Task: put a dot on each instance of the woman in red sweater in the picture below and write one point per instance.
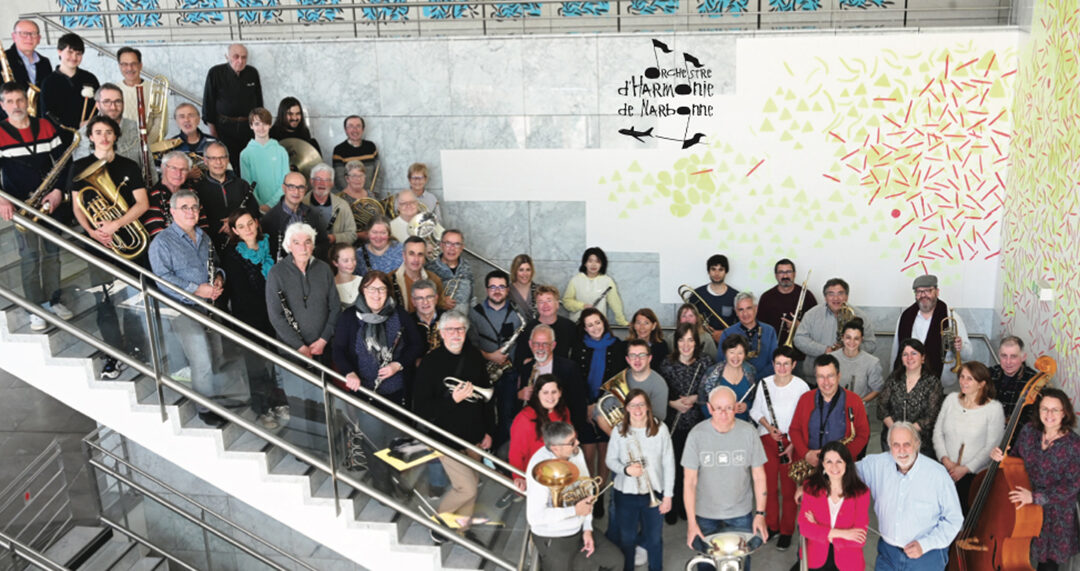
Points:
(835, 512)
(546, 405)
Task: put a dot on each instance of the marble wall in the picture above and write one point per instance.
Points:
(423, 96)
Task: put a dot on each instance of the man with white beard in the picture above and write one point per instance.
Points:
(915, 501)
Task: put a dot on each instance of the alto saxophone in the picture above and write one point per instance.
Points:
(801, 469)
(46, 186)
(495, 370)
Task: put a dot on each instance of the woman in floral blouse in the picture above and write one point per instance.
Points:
(911, 393)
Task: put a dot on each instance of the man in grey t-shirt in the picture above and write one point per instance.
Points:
(724, 480)
(640, 375)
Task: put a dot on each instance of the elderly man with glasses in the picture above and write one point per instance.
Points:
(290, 210)
(333, 213)
(454, 270)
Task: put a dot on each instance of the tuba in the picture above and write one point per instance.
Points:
(561, 478)
(949, 332)
(687, 293)
(101, 202)
(611, 404)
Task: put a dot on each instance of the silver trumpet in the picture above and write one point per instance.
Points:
(643, 481)
(479, 394)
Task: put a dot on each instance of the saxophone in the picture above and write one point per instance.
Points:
(46, 186)
(801, 469)
(495, 370)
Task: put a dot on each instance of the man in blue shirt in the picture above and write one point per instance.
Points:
(181, 255)
(915, 501)
(761, 336)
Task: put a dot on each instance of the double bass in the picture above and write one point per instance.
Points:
(997, 536)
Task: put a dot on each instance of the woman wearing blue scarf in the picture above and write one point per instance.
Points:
(601, 355)
(246, 260)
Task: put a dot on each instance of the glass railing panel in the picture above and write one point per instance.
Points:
(430, 485)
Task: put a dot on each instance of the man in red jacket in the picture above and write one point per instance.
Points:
(828, 413)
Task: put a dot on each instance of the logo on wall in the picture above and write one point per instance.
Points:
(673, 91)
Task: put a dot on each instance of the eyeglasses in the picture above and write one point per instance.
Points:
(356, 175)
(217, 158)
(540, 343)
(110, 102)
(456, 330)
(418, 177)
(497, 287)
(295, 187)
(321, 179)
(785, 272)
(636, 356)
(636, 405)
(28, 34)
(187, 208)
(417, 298)
(446, 244)
(573, 443)
(1053, 411)
(372, 289)
(725, 409)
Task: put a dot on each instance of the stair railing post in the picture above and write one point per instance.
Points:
(328, 410)
(152, 335)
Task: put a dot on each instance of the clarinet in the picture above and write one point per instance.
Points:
(211, 270)
(386, 359)
(243, 202)
(289, 317)
(602, 296)
(330, 224)
(280, 246)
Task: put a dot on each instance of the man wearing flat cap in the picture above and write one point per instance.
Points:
(922, 320)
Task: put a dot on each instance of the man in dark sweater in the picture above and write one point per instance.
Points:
(354, 148)
(290, 209)
(1011, 375)
(67, 94)
(458, 409)
(28, 67)
(232, 90)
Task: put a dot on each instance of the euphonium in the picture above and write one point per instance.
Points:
(611, 404)
(686, 293)
(561, 478)
(949, 332)
(479, 393)
(101, 202)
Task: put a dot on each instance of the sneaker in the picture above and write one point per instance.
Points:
(281, 413)
(773, 533)
(267, 421)
(671, 518)
(783, 543)
(110, 370)
(641, 557)
(211, 419)
(37, 323)
(60, 310)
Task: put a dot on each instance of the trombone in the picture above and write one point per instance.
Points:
(686, 292)
(788, 342)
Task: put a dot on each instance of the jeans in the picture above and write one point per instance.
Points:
(710, 526)
(507, 406)
(39, 265)
(892, 558)
(564, 553)
(634, 511)
(202, 351)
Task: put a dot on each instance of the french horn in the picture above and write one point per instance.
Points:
(561, 477)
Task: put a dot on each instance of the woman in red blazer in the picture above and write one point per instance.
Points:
(834, 542)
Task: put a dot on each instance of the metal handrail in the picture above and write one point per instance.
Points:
(176, 510)
(142, 540)
(242, 422)
(93, 441)
(230, 333)
(28, 553)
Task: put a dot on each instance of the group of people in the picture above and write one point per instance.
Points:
(705, 425)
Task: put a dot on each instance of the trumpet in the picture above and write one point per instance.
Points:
(687, 293)
(798, 311)
(479, 394)
(949, 331)
(643, 480)
(567, 489)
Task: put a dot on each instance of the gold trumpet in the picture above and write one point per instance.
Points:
(479, 394)
(686, 293)
(561, 477)
(101, 202)
(612, 403)
(949, 331)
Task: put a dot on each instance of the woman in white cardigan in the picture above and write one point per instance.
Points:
(971, 423)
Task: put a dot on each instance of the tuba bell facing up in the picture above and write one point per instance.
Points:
(101, 202)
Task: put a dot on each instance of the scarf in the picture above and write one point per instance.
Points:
(599, 358)
(259, 258)
(375, 329)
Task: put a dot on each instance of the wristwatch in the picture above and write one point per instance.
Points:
(759, 512)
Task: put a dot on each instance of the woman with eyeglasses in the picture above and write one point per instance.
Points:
(1050, 449)
(356, 190)
(642, 458)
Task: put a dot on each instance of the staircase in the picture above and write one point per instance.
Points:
(242, 463)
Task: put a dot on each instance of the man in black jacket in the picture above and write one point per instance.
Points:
(445, 392)
(28, 67)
